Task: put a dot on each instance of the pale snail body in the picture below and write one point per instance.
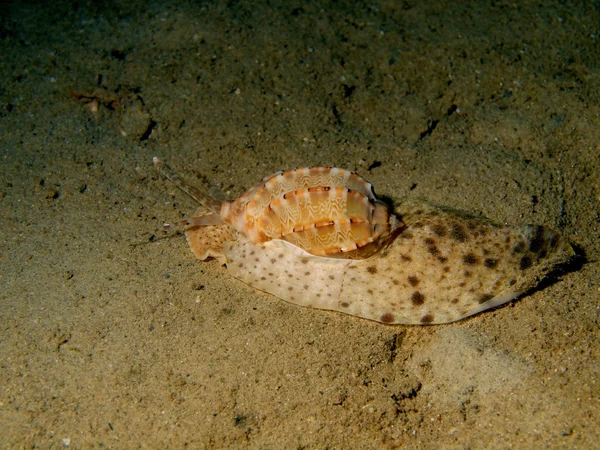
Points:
(421, 264)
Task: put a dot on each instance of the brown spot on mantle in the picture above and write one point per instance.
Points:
(387, 318)
(490, 263)
(525, 263)
(427, 318)
(470, 259)
(417, 298)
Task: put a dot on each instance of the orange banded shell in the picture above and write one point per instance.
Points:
(323, 210)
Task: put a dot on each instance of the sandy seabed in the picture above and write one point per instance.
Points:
(112, 340)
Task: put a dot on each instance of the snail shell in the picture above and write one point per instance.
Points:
(323, 210)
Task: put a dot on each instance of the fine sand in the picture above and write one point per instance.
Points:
(110, 339)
